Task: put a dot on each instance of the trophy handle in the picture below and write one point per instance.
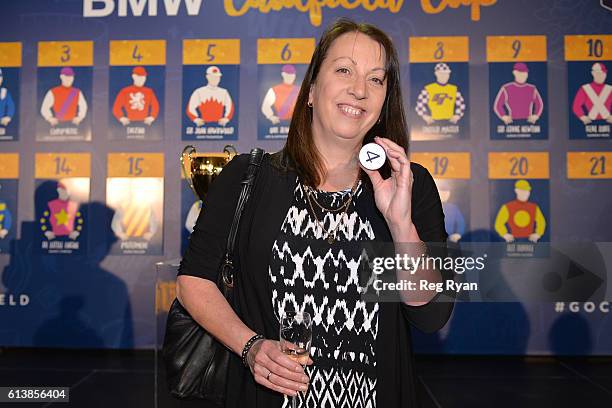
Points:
(188, 150)
(231, 151)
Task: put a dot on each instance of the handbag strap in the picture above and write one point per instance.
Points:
(255, 160)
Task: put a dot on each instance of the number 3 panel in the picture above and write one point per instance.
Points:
(136, 89)
(439, 88)
(520, 200)
(282, 63)
(135, 191)
(211, 79)
(589, 57)
(518, 87)
(65, 77)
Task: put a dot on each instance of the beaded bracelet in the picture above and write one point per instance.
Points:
(247, 347)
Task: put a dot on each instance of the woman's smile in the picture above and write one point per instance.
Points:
(351, 111)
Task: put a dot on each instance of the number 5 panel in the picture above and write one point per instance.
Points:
(211, 79)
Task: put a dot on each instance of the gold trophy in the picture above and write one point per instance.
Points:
(200, 169)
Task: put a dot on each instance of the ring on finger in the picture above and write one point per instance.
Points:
(268, 376)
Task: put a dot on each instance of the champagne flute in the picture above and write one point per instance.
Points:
(295, 338)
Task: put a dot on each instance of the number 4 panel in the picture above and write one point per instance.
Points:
(451, 171)
(518, 87)
(136, 89)
(519, 200)
(135, 191)
(439, 86)
(589, 57)
(211, 79)
(281, 65)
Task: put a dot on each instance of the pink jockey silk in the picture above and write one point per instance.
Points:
(70, 208)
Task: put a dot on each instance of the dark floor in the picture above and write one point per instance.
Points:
(116, 379)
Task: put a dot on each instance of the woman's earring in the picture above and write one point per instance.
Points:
(310, 104)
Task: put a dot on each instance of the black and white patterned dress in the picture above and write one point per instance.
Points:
(309, 274)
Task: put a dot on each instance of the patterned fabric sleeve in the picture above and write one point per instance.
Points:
(422, 101)
(459, 105)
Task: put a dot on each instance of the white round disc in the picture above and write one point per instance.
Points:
(372, 156)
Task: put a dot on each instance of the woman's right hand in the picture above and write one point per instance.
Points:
(275, 370)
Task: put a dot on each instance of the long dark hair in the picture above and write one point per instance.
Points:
(300, 153)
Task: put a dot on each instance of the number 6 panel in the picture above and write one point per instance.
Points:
(282, 63)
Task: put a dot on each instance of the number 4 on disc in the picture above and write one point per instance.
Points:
(372, 156)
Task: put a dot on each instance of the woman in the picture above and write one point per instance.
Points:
(311, 210)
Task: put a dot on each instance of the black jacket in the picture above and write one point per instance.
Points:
(271, 198)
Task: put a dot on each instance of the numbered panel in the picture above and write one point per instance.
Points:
(589, 57)
(518, 87)
(520, 201)
(9, 182)
(135, 191)
(439, 82)
(517, 165)
(61, 202)
(64, 88)
(136, 89)
(10, 73)
(451, 171)
(589, 165)
(211, 79)
(442, 165)
(282, 63)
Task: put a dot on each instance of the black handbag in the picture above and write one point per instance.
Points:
(196, 363)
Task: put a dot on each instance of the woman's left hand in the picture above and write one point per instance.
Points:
(393, 196)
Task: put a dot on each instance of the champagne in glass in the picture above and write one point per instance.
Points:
(296, 337)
